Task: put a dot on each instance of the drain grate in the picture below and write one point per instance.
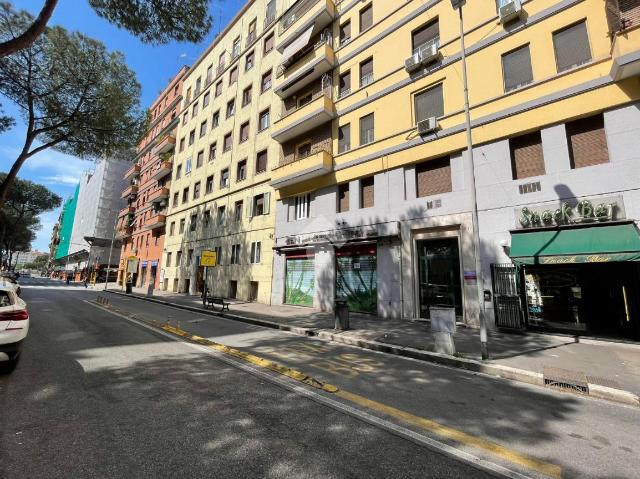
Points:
(565, 379)
(606, 382)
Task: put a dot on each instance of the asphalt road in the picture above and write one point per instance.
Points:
(98, 396)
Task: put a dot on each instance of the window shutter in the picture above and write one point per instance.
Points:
(433, 177)
(261, 163)
(367, 192)
(343, 197)
(267, 203)
(345, 31)
(366, 68)
(250, 207)
(526, 156)
(271, 9)
(344, 138)
(345, 82)
(516, 68)
(572, 46)
(587, 142)
(424, 34)
(366, 129)
(429, 103)
(366, 18)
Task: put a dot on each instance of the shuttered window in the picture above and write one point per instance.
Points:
(268, 43)
(516, 68)
(571, 46)
(433, 177)
(366, 72)
(366, 18)
(345, 33)
(261, 161)
(344, 138)
(526, 156)
(587, 142)
(429, 103)
(425, 34)
(366, 129)
(233, 76)
(343, 197)
(366, 192)
(345, 84)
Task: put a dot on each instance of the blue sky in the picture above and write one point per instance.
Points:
(154, 67)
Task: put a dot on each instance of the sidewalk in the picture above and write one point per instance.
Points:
(608, 364)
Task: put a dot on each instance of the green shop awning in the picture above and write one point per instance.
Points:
(593, 244)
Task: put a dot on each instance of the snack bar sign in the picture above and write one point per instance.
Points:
(571, 212)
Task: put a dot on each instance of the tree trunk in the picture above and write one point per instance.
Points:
(31, 34)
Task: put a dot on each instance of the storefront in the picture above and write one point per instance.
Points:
(299, 278)
(356, 277)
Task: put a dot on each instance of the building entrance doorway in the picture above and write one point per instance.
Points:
(439, 282)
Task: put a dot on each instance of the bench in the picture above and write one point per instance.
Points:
(213, 300)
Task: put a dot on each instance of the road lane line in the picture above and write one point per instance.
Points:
(506, 454)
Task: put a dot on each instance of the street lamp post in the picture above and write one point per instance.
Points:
(113, 237)
(457, 4)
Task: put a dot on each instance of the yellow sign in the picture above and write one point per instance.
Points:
(208, 258)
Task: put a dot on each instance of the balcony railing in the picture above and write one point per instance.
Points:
(326, 91)
(295, 13)
(133, 171)
(156, 221)
(366, 80)
(129, 210)
(165, 144)
(163, 170)
(269, 20)
(622, 15)
(304, 55)
(251, 38)
(316, 163)
(159, 195)
(130, 190)
(220, 69)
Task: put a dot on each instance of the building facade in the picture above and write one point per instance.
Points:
(221, 199)
(373, 186)
(26, 257)
(63, 239)
(141, 223)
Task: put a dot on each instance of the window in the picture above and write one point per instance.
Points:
(209, 185)
(303, 150)
(172, 228)
(366, 18)
(571, 46)
(271, 13)
(305, 99)
(224, 178)
(429, 103)
(526, 156)
(246, 96)
(215, 120)
(302, 204)
(209, 74)
(196, 190)
(587, 142)
(238, 210)
(198, 85)
(235, 254)
(188, 97)
(265, 84)
(168, 261)
(366, 72)
(189, 256)
(252, 31)
(345, 33)
(200, 159)
(264, 120)
(193, 224)
(192, 137)
(366, 129)
(181, 144)
(185, 195)
(176, 198)
(235, 53)
(222, 210)
(343, 197)
(233, 76)
(194, 110)
(367, 192)
(244, 132)
(269, 42)
(226, 143)
(425, 35)
(344, 138)
(231, 108)
(256, 250)
(205, 100)
(344, 86)
(203, 128)
(182, 222)
(218, 89)
(516, 68)
(185, 118)
(241, 170)
(249, 61)
(260, 205)
(218, 250)
(261, 161)
(206, 218)
(179, 255)
(220, 61)
(433, 177)
(187, 169)
(212, 151)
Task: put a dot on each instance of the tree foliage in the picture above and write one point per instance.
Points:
(73, 94)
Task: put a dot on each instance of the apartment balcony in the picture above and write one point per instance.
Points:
(158, 195)
(304, 14)
(132, 172)
(623, 17)
(129, 210)
(123, 232)
(316, 164)
(166, 144)
(129, 190)
(165, 169)
(157, 221)
(302, 119)
(318, 60)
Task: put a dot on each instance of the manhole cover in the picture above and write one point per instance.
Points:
(565, 379)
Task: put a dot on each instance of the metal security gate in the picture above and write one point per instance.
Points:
(506, 296)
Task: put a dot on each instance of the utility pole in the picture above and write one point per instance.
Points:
(457, 4)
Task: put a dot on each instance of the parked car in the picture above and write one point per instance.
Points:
(10, 281)
(14, 326)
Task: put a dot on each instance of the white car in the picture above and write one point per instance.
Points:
(11, 282)
(14, 326)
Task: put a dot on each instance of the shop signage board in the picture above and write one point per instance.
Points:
(132, 265)
(342, 235)
(208, 258)
(571, 212)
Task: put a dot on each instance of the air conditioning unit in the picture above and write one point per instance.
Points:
(427, 126)
(509, 10)
(430, 52)
(413, 63)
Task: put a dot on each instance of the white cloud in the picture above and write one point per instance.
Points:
(59, 180)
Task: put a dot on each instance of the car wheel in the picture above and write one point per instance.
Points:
(7, 367)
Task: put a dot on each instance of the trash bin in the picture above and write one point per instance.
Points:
(341, 310)
(129, 289)
(443, 327)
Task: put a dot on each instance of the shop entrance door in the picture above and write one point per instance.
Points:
(439, 281)
(506, 296)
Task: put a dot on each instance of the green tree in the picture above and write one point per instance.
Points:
(18, 236)
(153, 21)
(73, 95)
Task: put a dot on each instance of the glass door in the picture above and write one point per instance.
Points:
(439, 281)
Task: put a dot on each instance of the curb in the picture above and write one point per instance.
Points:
(496, 370)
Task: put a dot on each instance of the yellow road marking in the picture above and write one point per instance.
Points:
(502, 452)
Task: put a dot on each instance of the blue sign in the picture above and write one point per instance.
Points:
(144, 264)
(154, 262)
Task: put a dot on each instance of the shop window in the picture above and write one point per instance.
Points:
(526, 156)
(366, 18)
(356, 277)
(433, 177)
(302, 205)
(429, 103)
(256, 252)
(516, 68)
(367, 192)
(587, 142)
(343, 198)
(299, 279)
(571, 46)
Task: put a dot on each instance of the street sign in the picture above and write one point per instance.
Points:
(132, 265)
(208, 258)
